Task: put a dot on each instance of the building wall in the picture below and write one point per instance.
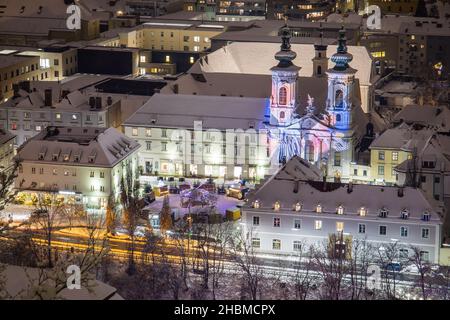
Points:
(395, 6)
(6, 154)
(308, 235)
(171, 156)
(27, 69)
(93, 184)
(26, 123)
(387, 174)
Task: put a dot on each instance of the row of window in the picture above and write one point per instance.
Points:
(362, 211)
(58, 116)
(55, 186)
(382, 229)
(66, 172)
(382, 156)
(297, 246)
(17, 72)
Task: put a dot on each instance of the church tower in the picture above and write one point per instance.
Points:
(341, 87)
(283, 101)
(320, 60)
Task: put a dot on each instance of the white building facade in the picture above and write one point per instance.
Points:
(81, 165)
(288, 212)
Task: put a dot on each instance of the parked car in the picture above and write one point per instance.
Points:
(393, 266)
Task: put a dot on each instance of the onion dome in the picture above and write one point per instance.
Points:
(285, 55)
(341, 58)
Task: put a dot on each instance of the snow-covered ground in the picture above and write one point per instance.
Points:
(223, 203)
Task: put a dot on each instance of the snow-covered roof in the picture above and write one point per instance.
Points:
(258, 58)
(436, 149)
(93, 147)
(289, 187)
(180, 111)
(434, 117)
(20, 279)
(402, 137)
(37, 17)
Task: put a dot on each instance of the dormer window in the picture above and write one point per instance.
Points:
(256, 204)
(41, 155)
(426, 216)
(91, 159)
(319, 208)
(340, 210)
(362, 212)
(404, 214)
(384, 213)
(277, 206)
(298, 206)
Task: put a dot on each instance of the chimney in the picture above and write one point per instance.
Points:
(350, 187)
(92, 102)
(98, 102)
(16, 90)
(296, 184)
(48, 98)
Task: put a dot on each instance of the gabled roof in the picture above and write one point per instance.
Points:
(180, 111)
(258, 58)
(433, 117)
(93, 147)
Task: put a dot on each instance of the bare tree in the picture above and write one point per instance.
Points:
(131, 208)
(423, 267)
(388, 257)
(358, 265)
(214, 240)
(248, 262)
(330, 262)
(50, 282)
(303, 279)
(48, 209)
(111, 216)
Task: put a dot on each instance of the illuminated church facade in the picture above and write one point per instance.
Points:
(326, 140)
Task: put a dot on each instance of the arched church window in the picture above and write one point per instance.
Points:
(309, 151)
(319, 69)
(282, 96)
(339, 98)
(338, 117)
(282, 115)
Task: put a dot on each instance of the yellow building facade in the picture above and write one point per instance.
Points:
(382, 164)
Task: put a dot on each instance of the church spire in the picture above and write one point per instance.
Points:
(341, 58)
(285, 55)
(283, 101)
